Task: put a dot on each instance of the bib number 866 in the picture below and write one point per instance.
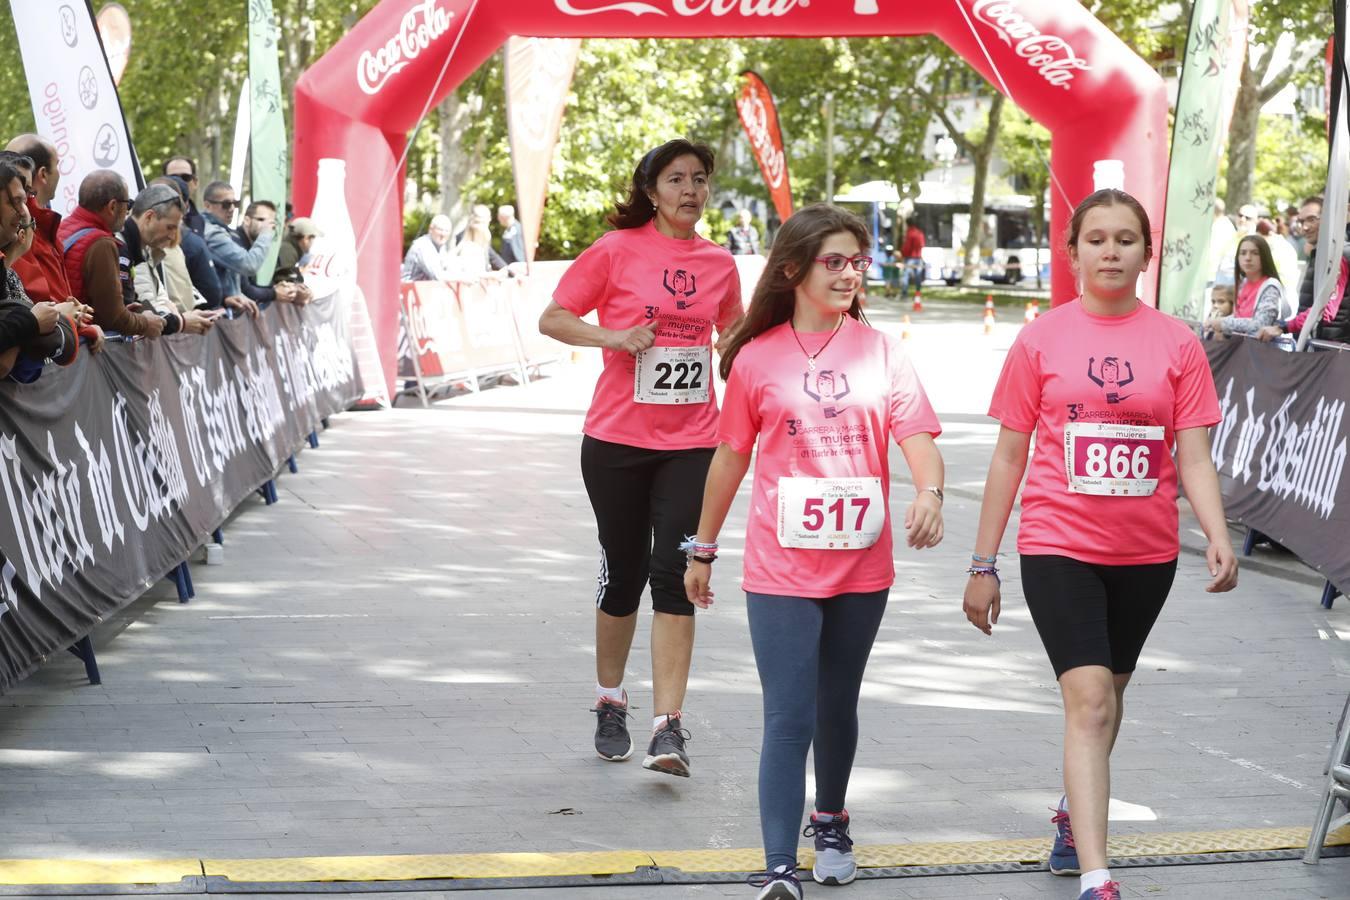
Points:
(1117, 461)
(688, 376)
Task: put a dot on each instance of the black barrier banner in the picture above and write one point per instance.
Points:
(1280, 448)
(114, 469)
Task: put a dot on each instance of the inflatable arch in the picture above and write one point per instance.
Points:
(1098, 99)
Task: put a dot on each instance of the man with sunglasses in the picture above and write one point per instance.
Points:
(151, 229)
(231, 260)
(92, 252)
(20, 322)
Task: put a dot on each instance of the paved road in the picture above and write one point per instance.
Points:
(396, 659)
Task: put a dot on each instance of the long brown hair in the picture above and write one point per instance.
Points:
(794, 248)
(638, 210)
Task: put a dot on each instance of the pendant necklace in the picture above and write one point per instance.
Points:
(811, 357)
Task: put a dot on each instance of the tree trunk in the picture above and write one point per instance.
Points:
(458, 161)
(1242, 139)
(984, 154)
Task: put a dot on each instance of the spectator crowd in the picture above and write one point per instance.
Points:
(122, 267)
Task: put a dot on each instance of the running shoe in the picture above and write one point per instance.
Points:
(780, 884)
(612, 740)
(666, 752)
(834, 849)
(1063, 855)
(1108, 891)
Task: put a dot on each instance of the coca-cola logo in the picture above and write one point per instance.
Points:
(690, 7)
(755, 117)
(421, 25)
(1050, 55)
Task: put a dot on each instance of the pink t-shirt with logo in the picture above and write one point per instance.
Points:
(1122, 386)
(678, 288)
(831, 422)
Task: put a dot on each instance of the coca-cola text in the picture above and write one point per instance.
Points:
(1050, 55)
(685, 7)
(421, 25)
(755, 117)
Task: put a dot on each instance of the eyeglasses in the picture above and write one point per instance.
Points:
(125, 201)
(835, 262)
(227, 204)
(24, 226)
(1309, 220)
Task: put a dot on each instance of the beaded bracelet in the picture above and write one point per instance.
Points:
(985, 570)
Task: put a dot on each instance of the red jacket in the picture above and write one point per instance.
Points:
(913, 244)
(42, 269)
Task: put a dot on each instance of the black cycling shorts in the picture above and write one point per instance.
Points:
(1094, 615)
(645, 502)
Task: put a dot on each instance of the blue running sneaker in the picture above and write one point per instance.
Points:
(1064, 855)
(779, 884)
(1108, 891)
(834, 848)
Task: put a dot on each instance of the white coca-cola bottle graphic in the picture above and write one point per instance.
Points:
(331, 272)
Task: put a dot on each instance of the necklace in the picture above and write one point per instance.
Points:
(811, 357)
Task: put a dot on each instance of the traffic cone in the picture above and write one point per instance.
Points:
(1028, 315)
(904, 329)
(918, 301)
(988, 313)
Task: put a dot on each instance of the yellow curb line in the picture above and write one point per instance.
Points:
(618, 862)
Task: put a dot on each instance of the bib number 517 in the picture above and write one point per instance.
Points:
(815, 512)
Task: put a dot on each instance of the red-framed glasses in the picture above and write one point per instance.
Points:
(835, 262)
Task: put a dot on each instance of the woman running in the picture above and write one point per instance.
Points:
(1098, 538)
(818, 562)
(652, 425)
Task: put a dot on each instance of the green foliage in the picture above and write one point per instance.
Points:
(1291, 161)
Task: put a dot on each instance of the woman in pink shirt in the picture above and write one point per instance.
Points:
(822, 394)
(1098, 538)
(658, 291)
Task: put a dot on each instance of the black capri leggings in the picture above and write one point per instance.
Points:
(1094, 615)
(645, 502)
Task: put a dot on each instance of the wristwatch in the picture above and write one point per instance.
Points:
(935, 490)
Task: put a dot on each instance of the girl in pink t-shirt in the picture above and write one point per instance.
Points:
(659, 291)
(1111, 388)
(822, 394)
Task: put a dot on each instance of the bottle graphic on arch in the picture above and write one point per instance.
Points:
(331, 273)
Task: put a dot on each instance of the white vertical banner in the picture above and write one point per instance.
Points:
(75, 102)
(1331, 234)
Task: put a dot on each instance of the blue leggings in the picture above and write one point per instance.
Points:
(811, 654)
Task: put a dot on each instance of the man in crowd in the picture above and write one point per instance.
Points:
(153, 227)
(426, 257)
(41, 269)
(261, 218)
(19, 322)
(911, 251)
(300, 236)
(743, 239)
(232, 261)
(91, 254)
(1334, 326)
(513, 236)
(187, 265)
(184, 168)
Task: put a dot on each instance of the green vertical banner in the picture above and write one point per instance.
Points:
(267, 139)
(1197, 141)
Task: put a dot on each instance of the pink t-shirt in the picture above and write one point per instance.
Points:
(833, 422)
(680, 289)
(1123, 386)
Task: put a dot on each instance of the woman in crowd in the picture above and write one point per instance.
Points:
(659, 291)
(823, 394)
(1098, 537)
(473, 256)
(1259, 293)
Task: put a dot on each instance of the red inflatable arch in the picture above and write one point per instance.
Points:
(1096, 96)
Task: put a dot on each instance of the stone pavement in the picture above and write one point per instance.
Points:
(396, 658)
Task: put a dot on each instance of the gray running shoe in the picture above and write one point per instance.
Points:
(612, 740)
(780, 884)
(666, 752)
(834, 849)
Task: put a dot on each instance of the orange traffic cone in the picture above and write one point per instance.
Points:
(904, 329)
(988, 313)
(918, 301)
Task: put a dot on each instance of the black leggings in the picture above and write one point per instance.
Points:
(1094, 615)
(645, 502)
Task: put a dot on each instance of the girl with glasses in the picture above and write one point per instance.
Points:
(822, 394)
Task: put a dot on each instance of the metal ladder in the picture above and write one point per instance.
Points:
(1338, 789)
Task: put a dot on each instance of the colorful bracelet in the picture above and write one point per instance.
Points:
(987, 560)
(985, 570)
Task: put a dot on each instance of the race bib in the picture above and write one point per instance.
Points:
(830, 513)
(670, 375)
(1120, 460)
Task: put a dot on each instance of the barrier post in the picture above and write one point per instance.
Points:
(1338, 788)
(83, 649)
